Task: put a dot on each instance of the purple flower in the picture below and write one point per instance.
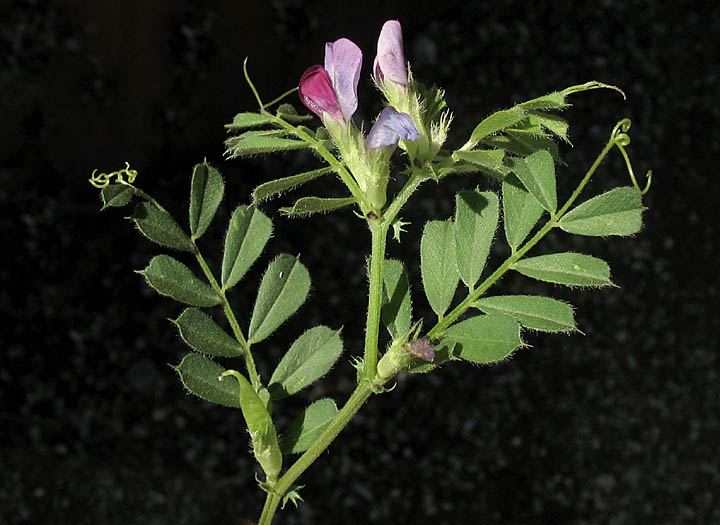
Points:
(332, 89)
(389, 128)
(390, 60)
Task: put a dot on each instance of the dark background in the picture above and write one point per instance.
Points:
(617, 426)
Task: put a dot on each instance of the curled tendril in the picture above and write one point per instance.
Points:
(621, 139)
(101, 180)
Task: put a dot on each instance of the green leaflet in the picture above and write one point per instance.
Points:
(616, 212)
(521, 211)
(485, 338)
(201, 376)
(310, 357)
(476, 219)
(572, 269)
(158, 226)
(116, 195)
(308, 426)
(534, 312)
(438, 264)
(248, 120)
(248, 233)
(496, 122)
(203, 334)
(533, 142)
(275, 187)
(509, 144)
(555, 100)
(396, 311)
(170, 277)
(537, 173)
(255, 142)
(490, 161)
(309, 205)
(206, 192)
(553, 123)
(283, 290)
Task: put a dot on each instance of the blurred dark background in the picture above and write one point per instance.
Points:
(617, 426)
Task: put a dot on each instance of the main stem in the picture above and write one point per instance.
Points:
(378, 230)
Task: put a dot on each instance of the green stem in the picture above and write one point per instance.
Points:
(230, 315)
(356, 400)
(417, 176)
(437, 330)
(270, 508)
(378, 230)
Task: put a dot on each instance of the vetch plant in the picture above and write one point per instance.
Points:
(513, 153)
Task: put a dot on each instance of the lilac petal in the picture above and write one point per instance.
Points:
(389, 128)
(317, 93)
(343, 61)
(390, 59)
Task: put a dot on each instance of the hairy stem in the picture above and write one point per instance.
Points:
(378, 230)
(356, 400)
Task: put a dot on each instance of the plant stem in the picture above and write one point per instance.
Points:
(417, 176)
(437, 330)
(378, 230)
(230, 315)
(357, 399)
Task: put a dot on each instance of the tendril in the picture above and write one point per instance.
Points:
(101, 180)
(621, 139)
(252, 86)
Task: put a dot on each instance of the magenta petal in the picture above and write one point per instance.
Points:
(389, 128)
(343, 61)
(317, 93)
(390, 60)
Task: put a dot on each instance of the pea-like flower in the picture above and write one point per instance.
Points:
(390, 128)
(390, 61)
(332, 90)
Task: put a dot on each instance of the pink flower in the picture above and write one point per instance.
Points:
(332, 90)
(390, 60)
